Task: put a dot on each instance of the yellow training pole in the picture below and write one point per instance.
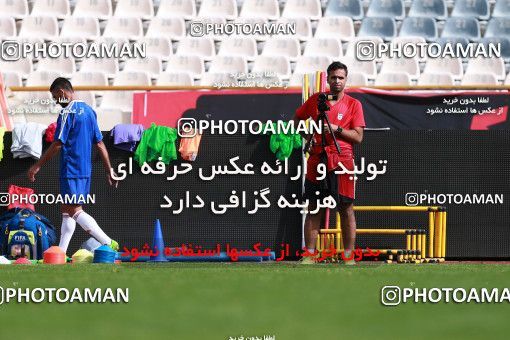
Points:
(339, 233)
(443, 238)
(413, 244)
(382, 231)
(424, 245)
(431, 233)
(419, 246)
(392, 208)
(306, 87)
(371, 231)
(318, 81)
(438, 234)
(408, 246)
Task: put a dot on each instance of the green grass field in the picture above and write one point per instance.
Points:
(215, 301)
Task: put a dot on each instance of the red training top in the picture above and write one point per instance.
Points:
(347, 113)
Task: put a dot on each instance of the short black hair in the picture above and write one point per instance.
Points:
(336, 65)
(61, 84)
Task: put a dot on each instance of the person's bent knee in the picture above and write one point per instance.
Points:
(346, 207)
(71, 210)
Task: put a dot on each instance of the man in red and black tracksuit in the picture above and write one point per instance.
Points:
(347, 122)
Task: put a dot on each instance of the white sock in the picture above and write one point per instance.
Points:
(311, 250)
(89, 224)
(66, 232)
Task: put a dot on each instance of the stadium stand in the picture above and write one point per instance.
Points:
(393, 79)
(419, 27)
(172, 28)
(186, 9)
(58, 8)
(340, 27)
(275, 64)
(151, 65)
(203, 47)
(143, 9)
(65, 66)
(310, 9)
(329, 47)
(267, 9)
(45, 27)
(175, 79)
(108, 66)
(479, 79)
(349, 8)
(16, 9)
(498, 27)
(306, 64)
(12, 78)
(501, 9)
(7, 28)
(495, 66)
(436, 9)
(130, 28)
(471, 8)
(158, 46)
(287, 47)
(186, 63)
(83, 27)
(326, 30)
(89, 79)
(410, 66)
(452, 66)
(100, 9)
(386, 8)
(433, 79)
(383, 27)
(228, 64)
(22, 66)
(239, 46)
(210, 79)
(465, 27)
(226, 9)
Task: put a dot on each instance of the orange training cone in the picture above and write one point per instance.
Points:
(54, 255)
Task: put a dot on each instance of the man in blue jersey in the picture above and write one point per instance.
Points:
(76, 132)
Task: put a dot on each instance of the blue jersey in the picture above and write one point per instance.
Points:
(77, 130)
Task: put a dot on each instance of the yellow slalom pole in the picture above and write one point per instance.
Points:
(431, 233)
(419, 245)
(443, 238)
(339, 232)
(318, 81)
(306, 87)
(413, 241)
(393, 208)
(424, 245)
(370, 231)
(382, 231)
(408, 246)
(438, 235)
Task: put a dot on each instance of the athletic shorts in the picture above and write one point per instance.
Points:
(75, 186)
(342, 186)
